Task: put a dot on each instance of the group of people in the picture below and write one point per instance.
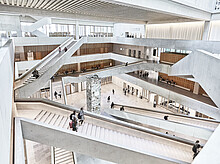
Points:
(57, 94)
(74, 120)
(65, 49)
(144, 74)
(171, 82)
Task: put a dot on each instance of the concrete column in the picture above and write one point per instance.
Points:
(205, 35)
(79, 87)
(196, 88)
(93, 93)
(145, 53)
(77, 30)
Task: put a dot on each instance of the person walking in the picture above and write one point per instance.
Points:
(81, 116)
(65, 49)
(73, 122)
(195, 148)
(55, 94)
(59, 49)
(113, 91)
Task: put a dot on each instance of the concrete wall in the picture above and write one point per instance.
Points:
(10, 23)
(6, 88)
(121, 28)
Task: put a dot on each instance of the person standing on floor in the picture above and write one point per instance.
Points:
(59, 49)
(112, 105)
(113, 91)
(59, 94)
(81, 116)
(155, 103)
(55, 94)
(108, 99)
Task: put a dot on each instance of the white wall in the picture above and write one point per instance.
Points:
(10, 23)
(6, 88)
(121, 28)
(186, 31)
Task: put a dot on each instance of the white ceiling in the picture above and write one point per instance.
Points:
(96, 8)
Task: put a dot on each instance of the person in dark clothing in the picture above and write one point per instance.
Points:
(55, 94)
(112, 105)
(165, 117)
(108, 99)
(126, 64)
(125, 92)
(195, 148)
(59, 49)
(122, 108)
(73, 121)
(35, 74)
(59, 94)
(81, 116)
(65, 49)
(113, 91)
(147, 74)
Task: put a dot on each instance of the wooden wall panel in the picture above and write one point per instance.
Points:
(171, 57)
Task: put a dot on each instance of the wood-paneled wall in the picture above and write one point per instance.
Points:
(96, 48)
(171, 57)
(39, 51)
(182, 82)
(179, 81)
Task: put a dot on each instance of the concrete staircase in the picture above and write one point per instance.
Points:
(61, 156)
(46, 68)
(150, 145)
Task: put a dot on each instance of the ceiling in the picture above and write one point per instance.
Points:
(95, 8)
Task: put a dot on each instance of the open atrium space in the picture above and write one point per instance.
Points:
(109, 81)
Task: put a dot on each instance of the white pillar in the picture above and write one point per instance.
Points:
(196, 88)
(205, 35)
(77, 30)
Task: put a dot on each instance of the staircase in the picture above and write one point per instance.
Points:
(46, 69)
(150, 145)
(61, 156)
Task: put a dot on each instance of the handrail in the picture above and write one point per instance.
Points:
(42, 61)
(96, 116)
(167, 113)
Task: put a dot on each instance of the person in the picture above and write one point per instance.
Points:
(108, 99)
(147, 74)
(112, 105)
(65, 49)
(73, 121)
(165, 117)
(195, 148)
(122, 108)
(155, 103)
(55, 94)
(125, 92)
(59, 94)
(35, 74)
(59, 49)
(113, 91)
(126, 64)
(81, 116)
